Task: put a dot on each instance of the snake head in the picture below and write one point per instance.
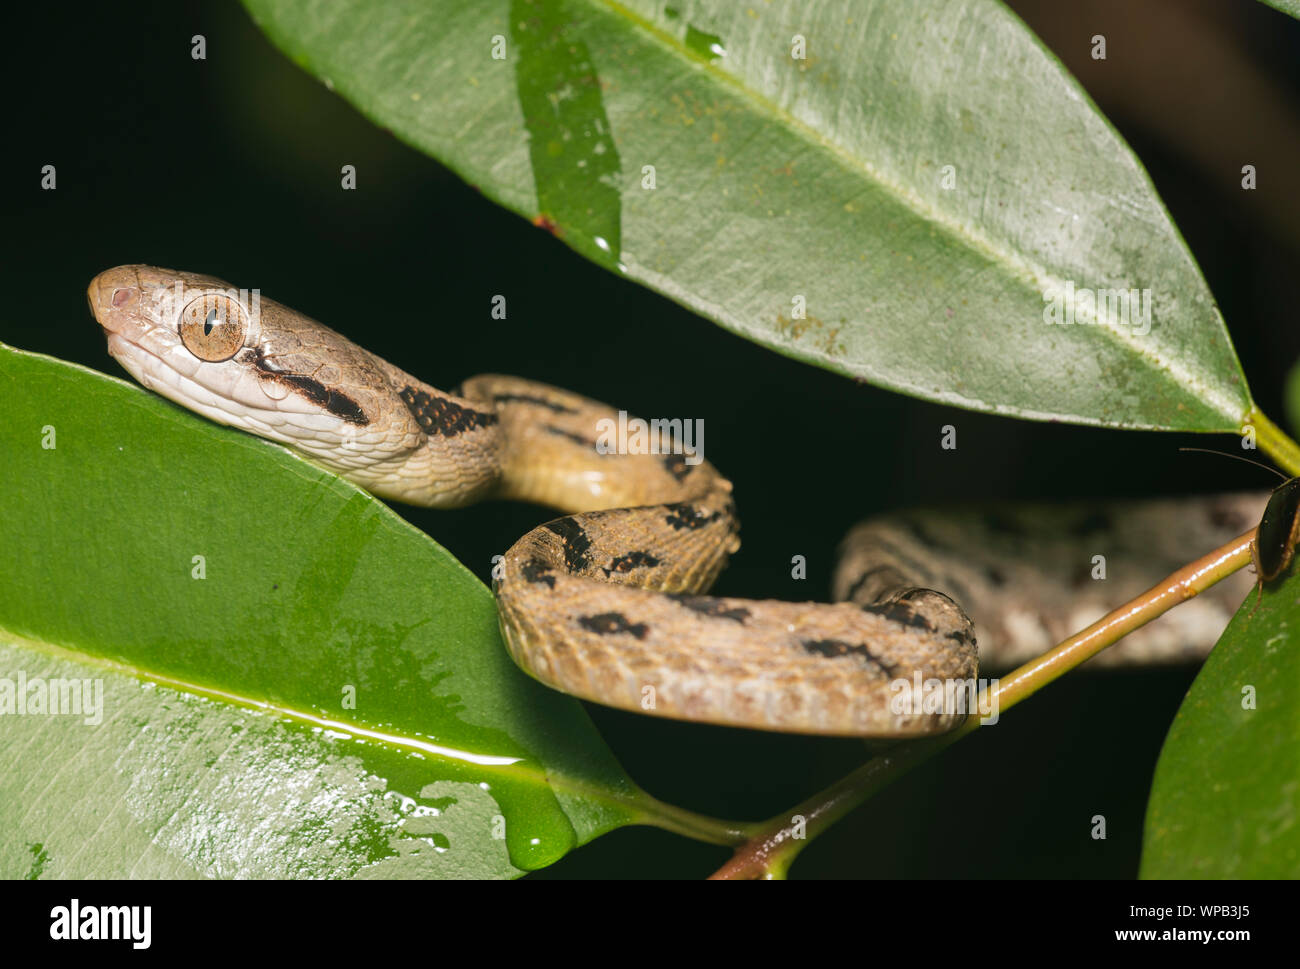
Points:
(249, 362)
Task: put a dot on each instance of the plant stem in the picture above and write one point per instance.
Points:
(1274, 442)
(769, 853)
(698, 827)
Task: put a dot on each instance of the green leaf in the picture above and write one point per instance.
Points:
(228, 745)
(783, 181)
(1286, 6)
(1225, 802)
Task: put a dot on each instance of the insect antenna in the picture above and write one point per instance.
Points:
(1237, 457)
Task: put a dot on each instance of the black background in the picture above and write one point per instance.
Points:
(234, 918)
(230, 166)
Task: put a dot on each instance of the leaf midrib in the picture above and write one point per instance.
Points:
(520, 768)
(1034, 276)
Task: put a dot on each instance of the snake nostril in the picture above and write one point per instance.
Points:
(123, 296)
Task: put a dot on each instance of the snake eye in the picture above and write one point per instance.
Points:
(212, 327)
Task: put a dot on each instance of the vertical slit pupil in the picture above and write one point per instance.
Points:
(207, 323)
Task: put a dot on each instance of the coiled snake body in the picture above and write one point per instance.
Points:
(607, 602)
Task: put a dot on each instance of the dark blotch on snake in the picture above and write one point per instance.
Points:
(677, 466)
(577, 439)
(709, 606)
(683, 515)
(868, 574)
(963, 637)
(900, 612)
(441, 416)
(532, 399)
(576, 543)
(832, 648)
(535, 570)
(340, 405)
(613, 622)
(630, 561)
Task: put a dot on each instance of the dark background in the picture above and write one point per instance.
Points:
(230, 166)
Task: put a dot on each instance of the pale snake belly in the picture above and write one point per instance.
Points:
(607, 603)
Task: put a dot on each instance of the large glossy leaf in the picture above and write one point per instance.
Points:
(1286, 6)
(1225, 802)
(331, 698)
(921, 185)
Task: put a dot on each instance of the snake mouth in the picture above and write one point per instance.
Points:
(227, 393)
(155, 371)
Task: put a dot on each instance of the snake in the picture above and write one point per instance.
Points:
(609, 602)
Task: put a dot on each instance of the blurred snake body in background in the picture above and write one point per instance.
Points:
(607, 603)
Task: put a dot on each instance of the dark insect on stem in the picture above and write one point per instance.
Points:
(1279, 530)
